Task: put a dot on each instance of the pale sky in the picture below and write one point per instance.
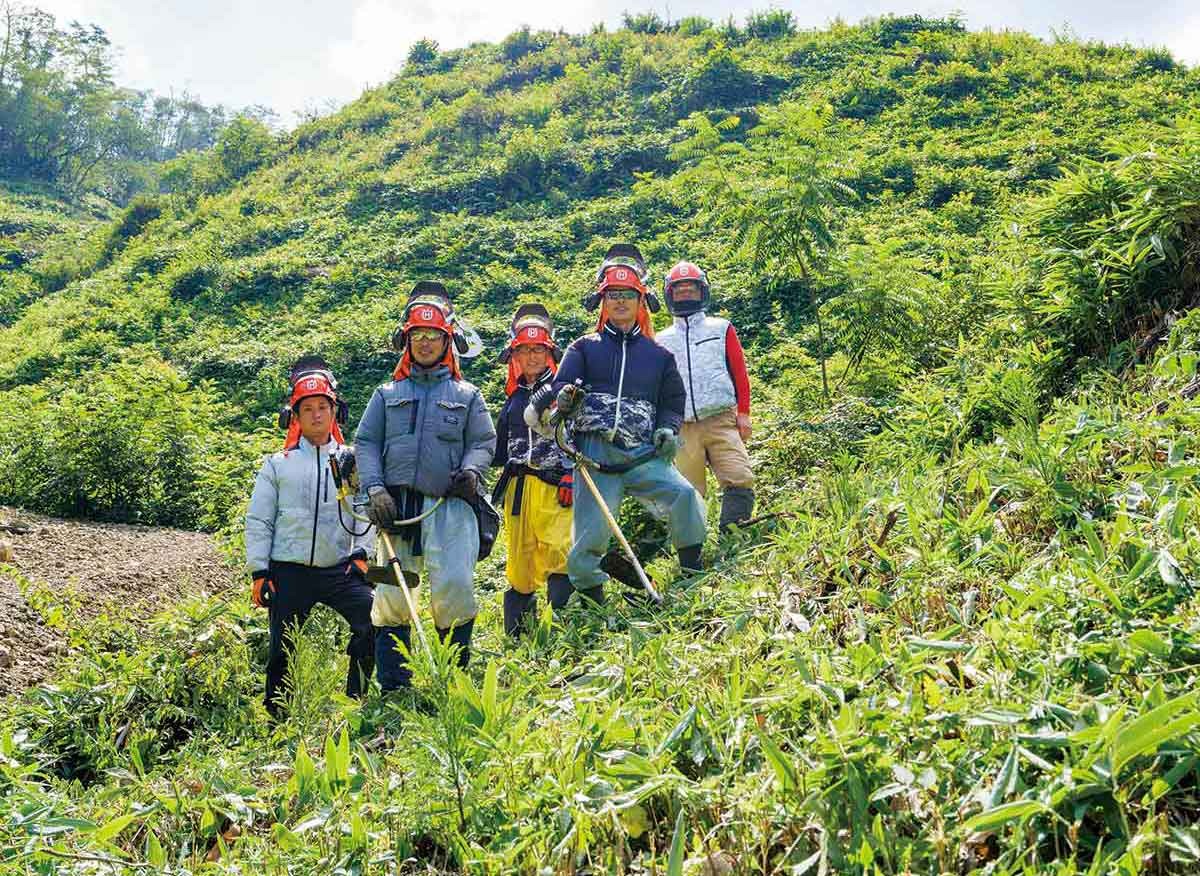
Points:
(292, 54)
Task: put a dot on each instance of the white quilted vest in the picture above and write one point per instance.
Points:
(698, 344)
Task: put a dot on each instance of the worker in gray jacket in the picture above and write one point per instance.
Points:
(297, 550)
(426, 436)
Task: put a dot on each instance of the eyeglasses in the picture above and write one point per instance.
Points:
(621, 294)
(426, 335)
(530, 349)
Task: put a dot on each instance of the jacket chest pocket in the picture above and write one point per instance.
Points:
(400, 417)
(450, 424)
(450, 421)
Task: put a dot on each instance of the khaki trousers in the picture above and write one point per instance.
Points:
(714, 440)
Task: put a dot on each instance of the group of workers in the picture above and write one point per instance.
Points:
(646, 415)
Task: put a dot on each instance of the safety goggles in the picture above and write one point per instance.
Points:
(426, 335)
(621, 294)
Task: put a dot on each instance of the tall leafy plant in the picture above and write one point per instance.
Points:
(782, 213)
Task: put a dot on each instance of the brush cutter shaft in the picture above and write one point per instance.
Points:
(616, 530)
(394, 562)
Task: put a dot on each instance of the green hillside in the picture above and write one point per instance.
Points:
(967, 639)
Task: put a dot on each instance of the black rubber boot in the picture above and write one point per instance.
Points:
(391, 666)
(737, 504)
(594, 595)
(689, 560)
(558, 590)
(461, 636)
(520, 611)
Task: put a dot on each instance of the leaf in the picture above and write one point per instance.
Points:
(918, 644)
(52, 826)
(1149, 642)
(491, 684)
(998, 816)
(109, 830)
(675, 858)
(1145, 733)
(779, 762)
(154, 851)
(1006, 779)
(681, 727)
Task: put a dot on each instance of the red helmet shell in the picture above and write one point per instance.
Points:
(621, 277)
(426, 314)
(534, 335)
(685, 271)
(312, 385)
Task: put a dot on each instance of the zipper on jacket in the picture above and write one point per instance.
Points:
(312, 554)
(620, 387)
(425, 413)
(687, 344)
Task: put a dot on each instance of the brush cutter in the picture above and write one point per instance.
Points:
(582, 464)
(345, 480)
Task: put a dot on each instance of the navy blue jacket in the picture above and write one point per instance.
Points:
(520, 445)
(633, 386)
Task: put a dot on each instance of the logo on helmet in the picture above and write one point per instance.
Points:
(427, 313)
(311, 383)
(531, 331)
(621, 274)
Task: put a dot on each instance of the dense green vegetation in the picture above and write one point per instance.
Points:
(970, 638)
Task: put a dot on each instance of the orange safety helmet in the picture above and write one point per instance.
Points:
(311, 376)
(531, 325)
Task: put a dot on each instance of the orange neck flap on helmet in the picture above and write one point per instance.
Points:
(643, 318)
(310, 386)
(404, 366)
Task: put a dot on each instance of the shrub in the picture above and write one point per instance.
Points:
(773, 24)
(423, 52)
(522, 42)
(693, 25)
(243, 147)
(644, 22)
(123, 442)
(143, 210)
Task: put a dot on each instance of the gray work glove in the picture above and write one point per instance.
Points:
(464, 484)
(382, 511)
(570, 397)
(666, 443)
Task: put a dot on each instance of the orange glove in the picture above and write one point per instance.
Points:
(263, 589)
(358, 563)
(565, 495)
